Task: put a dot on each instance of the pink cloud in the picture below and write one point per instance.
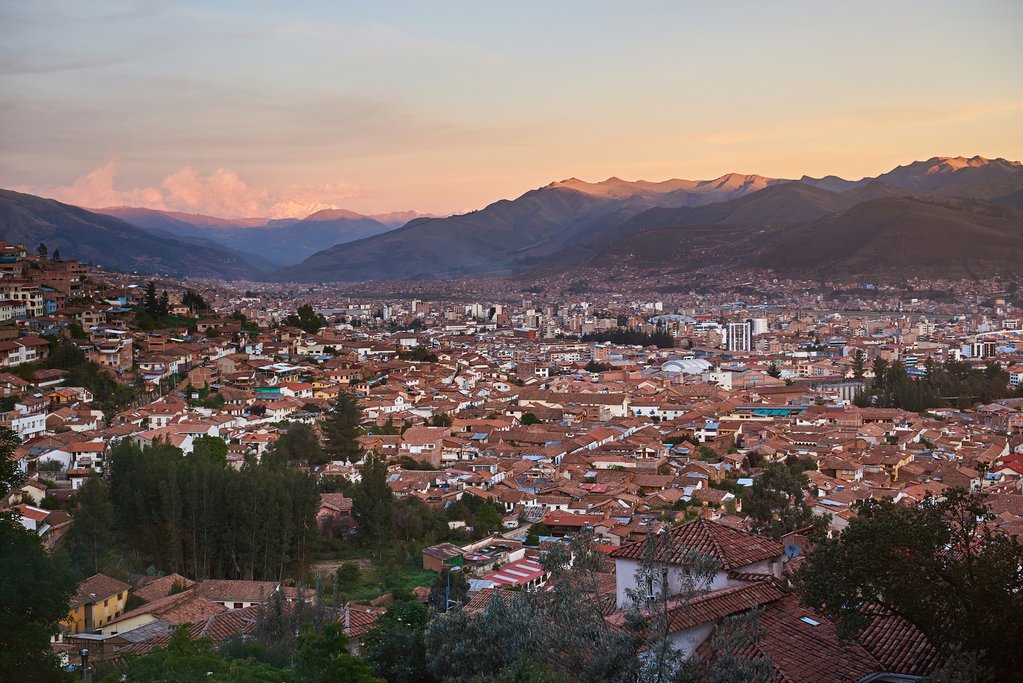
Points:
(220, 193)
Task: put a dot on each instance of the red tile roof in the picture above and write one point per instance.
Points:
(898, 645)
(803, 647)
(722, 603)
(97, 588)
(731, 547)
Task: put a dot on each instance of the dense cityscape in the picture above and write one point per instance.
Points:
(532, 342)
(229, 461)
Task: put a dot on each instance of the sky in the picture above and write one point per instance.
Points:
(256, 108)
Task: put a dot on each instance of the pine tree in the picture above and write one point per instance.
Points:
(41, 250)
(56, 255)
(91, 536)
(341, 429)
(373, 503)
(163, 304)
(151, 304)
(859, 360)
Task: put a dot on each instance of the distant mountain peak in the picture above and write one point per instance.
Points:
(333, 215)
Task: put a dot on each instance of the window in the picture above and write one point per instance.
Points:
(237, 605)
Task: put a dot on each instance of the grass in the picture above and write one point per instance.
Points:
(376, 578)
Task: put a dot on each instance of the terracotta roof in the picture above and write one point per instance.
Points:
(224, 590)
(481, 600)
(180, 608)
(803, 647)
(898, 645)
(335, 501)
(731, 547)
(97, 588)
(722, 603)
(160, 587)
(359, 620)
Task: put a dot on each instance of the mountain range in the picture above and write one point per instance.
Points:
(114, 243)
(947, 216)
(279, 242)
(731, 222)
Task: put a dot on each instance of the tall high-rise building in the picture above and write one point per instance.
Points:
(740, 336)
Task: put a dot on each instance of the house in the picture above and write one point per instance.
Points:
(424, 443)
(335, 512)
(236, 594)
(437, 557)
(736, 552)
(180, 608)
(24, 350)
(99, 600)
(523, 574)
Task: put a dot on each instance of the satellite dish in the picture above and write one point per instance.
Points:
(791, 550)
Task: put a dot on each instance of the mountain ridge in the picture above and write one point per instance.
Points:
(113, 243)
(571, 221)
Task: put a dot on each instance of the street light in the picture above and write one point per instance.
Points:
(84, 652)
(447, 591)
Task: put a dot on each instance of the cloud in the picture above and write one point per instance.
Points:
(220, 193)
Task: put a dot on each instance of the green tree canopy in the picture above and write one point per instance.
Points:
(35, 588)
(939, 565)
(299, 445)
(193, 514)
(342, 428)
(90, 540)
(373, 503)
(306, 319)
(395, 650)
(776, 503)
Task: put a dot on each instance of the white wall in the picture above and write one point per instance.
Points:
(687, 640)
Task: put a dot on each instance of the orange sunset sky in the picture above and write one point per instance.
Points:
(272, 108)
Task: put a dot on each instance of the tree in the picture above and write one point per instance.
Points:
(447, 588)
(91, 537)
(373, 503)
(187, 660)
(342, 428)
(441, 420)
(323, 658)
(530, 419)
(654, 598)
(534, 533)
(163, 305)
(348, 574)
(198, 516)
(195, 301)
(776, 503)
(56, 255)
(939, 565)
(396, 650)
(306, 319)
(35, 590)
(41, 250)
(879, 368)
(485, 519)
(773, 370)
(299, 445)
(151, 302)
(563, 627)
(594, 366)
(859, 360)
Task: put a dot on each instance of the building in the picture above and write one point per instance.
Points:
(100, 600)
(739, 337)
